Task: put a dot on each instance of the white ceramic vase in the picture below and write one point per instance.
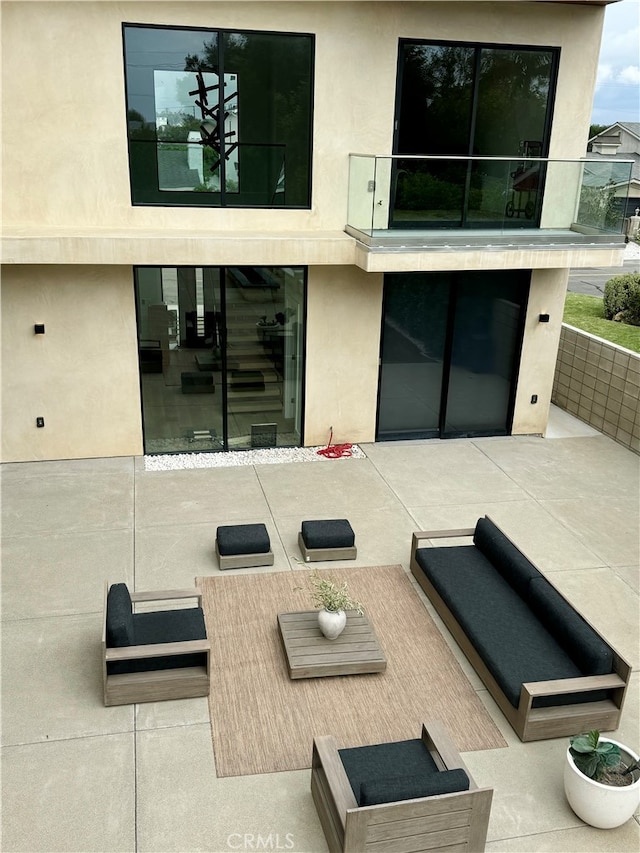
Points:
(602, 806)
(331, 622)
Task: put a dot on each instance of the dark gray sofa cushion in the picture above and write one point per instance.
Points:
(577, 637)
(164, 626)
(364, 764)
(243, 539)
(397, 788)
(504, 556)
(119, 617)
(328, 533)
(514, 645)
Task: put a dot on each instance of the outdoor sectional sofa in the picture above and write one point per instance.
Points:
(550, 672)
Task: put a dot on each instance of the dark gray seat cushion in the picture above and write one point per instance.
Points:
(119, 617)
(169, 626)
(369, 764)
(243, 539)
(164, 626)
(508, 636)
(328, 533)
(397, 788)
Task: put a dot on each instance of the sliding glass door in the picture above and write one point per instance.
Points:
(450, 353)
(413, 353)
(459, 101)
(221, 357)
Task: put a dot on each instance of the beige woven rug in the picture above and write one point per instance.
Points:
(263, 722)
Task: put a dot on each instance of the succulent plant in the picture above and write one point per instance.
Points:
(592, 756)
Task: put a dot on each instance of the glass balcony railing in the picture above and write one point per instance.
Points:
(489, 193)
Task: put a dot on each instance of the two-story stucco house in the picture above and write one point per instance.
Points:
(230, 224)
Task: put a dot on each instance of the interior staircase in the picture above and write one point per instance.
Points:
(254, 382)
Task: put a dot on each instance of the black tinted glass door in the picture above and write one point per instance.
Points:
(485, 349)
(413, 344)
(450, 353)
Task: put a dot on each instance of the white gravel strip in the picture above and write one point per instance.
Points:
(267, 456)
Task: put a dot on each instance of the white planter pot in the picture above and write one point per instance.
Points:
(603, 806)
(332, 622)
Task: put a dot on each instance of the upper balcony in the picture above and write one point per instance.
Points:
(404, 210)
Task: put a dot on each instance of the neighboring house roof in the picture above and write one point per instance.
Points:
(635, 168)
(174, 172)
(624, 130)
(632, 126)
(619, 141)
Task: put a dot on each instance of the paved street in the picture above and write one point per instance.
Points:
(591, 280)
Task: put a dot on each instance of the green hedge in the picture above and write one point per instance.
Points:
(622, 293)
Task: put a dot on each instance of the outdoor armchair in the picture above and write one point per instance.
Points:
(414, 795)
(153, 655)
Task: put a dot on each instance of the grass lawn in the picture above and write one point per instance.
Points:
(586, 313)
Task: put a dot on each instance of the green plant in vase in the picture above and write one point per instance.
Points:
(333, 601)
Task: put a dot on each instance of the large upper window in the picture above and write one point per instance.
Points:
(219, 118)
(460, 101)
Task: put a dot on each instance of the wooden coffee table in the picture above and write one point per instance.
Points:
(310, 655)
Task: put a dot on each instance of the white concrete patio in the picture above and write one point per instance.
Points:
(78, 776)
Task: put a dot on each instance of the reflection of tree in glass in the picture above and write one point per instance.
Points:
(437, 99)
(512, 100)
(274, 83)
(599, 208)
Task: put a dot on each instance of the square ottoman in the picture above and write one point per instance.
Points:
(241, 546)
(330, 539)
(197, 383)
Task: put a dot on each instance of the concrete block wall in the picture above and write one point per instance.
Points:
(599, 383)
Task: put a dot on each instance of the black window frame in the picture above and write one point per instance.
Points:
(185, 199)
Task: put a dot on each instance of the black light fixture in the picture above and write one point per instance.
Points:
(544, 318)
(38, 329)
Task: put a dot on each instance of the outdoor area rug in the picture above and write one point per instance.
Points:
(263, 722)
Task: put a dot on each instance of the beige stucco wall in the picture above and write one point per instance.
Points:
(64, 128)
(81, 375)
(539, 347)
(66, 201)
(343, 346)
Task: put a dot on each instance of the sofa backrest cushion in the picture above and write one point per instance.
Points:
(119, 617)
(585, 647)
(397, 788)
(512, 564)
